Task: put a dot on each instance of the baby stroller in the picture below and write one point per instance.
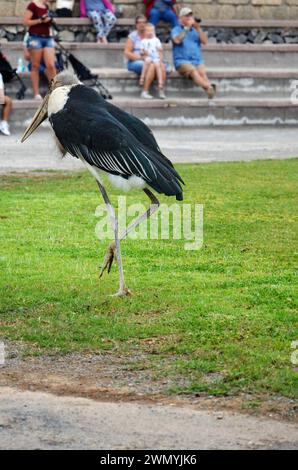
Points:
(9, 74)
(63, 58)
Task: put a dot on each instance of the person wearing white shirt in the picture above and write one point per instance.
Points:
(151, 51)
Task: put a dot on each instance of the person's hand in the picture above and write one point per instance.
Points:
(197, 25)
(45, 19)
(191, 22)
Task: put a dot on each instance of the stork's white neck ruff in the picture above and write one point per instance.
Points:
(58, 99)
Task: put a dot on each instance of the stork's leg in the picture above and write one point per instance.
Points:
(114, 220)
(108, 261)
(122, 289)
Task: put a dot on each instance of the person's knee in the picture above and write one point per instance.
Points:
(151, 67)
(51, 68)
(193, 74)
(170, 17)
(112, 19)
(7, 100)
(35, 66)
(154, 16)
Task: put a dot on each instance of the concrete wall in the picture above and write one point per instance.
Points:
(207, 9)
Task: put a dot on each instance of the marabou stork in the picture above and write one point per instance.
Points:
(107, 140)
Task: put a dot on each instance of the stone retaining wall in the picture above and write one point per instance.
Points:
(86, 33)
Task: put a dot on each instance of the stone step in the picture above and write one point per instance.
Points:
(225, 55)
(231, 82)
(230, 23)
(191, 112)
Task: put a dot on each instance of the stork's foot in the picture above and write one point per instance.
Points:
(122, 292)
(108, 259)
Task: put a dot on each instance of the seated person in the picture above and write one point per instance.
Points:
(187, 38)
(101, 13)
(7, 106)
(157, 10)
(135, 60)
(64, 8)
(151, 51)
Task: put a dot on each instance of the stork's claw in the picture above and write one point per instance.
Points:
(108, 259)
(122, 292)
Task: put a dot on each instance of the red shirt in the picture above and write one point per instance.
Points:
(42, 28)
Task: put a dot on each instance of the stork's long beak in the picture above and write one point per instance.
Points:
(40, 115)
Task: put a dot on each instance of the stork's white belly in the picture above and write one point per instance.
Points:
(116, 180)
(127, 184)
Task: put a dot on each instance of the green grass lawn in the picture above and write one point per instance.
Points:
(227, 310)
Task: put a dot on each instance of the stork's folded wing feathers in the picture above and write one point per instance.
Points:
(135, 126)
(95, 135)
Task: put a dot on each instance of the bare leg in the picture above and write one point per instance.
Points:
(49, 60)
(108, 261)
(6, 108)
(144, 71)
(150, 75)
(35, 55)
(211, 90)
(159, 74)
(202, 72)
(164, 73)
(200, 80)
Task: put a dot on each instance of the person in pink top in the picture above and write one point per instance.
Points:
(101, 13)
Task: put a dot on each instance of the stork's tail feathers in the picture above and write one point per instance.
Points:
(168, 181)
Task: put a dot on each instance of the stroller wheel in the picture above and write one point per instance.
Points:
(20, 95)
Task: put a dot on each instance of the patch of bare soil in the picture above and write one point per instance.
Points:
(108, 377)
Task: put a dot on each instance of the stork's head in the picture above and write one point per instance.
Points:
(63, 79)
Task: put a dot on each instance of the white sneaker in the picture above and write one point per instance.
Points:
(146, 96)
(161, 94)
(38, 97)
(4, 128)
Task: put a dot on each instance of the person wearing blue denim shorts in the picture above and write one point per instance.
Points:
(40, 43)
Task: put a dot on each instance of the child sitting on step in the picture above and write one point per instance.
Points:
(151, 51)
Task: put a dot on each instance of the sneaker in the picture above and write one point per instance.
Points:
(38, 97)
(4, 128)
(161, 94)
(211, 92)
(146, 96)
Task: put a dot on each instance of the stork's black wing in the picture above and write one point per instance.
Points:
(135, 125)
(86, 129)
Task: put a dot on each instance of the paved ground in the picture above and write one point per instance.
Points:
(35, 420)
(179, 144)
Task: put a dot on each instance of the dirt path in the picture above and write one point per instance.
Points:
(36, 420)
(80, 401)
